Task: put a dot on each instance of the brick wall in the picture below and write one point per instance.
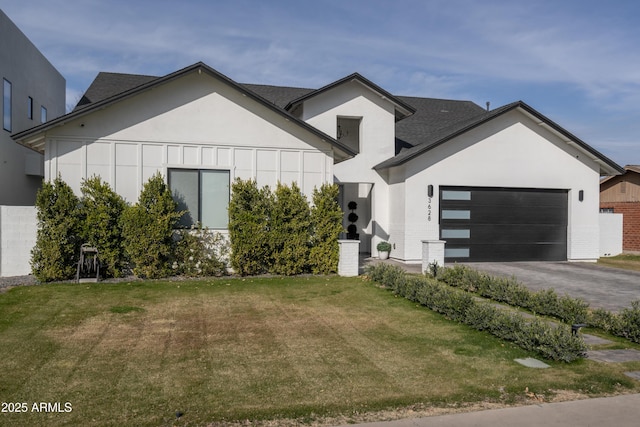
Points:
(630, 223)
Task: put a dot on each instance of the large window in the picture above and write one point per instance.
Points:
(6, 105)
(204, 194)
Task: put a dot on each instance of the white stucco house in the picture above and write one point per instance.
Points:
(506, 184)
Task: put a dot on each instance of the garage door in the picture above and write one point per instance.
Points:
(503, 224)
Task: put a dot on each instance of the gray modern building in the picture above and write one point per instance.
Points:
(32, 92)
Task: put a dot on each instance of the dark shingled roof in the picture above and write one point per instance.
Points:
(431, 115)
(442, 135)
(278, 95)
(433, 122)
(106, 85)
(431, 138)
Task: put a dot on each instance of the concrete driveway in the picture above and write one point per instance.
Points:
(602, 287)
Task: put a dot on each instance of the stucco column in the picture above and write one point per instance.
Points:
(432, 251)
(348, 263)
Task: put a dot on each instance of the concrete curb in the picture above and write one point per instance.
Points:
(619, 411)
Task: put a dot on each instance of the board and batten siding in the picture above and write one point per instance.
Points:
(127, 165)
(197, 121)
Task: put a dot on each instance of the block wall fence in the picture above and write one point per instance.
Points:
(18, 229)
(630, 223)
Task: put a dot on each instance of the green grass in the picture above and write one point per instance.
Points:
(626, 261)
(229, 350)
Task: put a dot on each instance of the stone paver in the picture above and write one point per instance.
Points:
(530, 362)
(614, 356)
(594, 340)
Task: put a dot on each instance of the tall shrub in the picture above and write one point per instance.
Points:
(148, 230)
(326, 225)
(249, 211)
(102, 209)
(56, 252)
(289, 231)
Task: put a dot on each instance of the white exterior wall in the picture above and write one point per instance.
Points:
(18, 229)
(377, 136)
(510, 151)
(610, 234)
(193, 122)
(397, 213)
(30, 75)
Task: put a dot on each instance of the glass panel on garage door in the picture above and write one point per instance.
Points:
(503, 224)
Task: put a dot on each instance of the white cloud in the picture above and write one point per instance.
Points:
(559, 53)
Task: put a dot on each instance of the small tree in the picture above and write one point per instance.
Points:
(148, 230)
(55, 254)
(249, 210)
(102, 209)
(326, 223)
(290, 225)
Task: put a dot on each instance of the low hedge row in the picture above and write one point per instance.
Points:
(624, 324)
(509, 291)
(555, 343)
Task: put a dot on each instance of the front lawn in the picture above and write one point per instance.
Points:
(626, 261)
(323, 349)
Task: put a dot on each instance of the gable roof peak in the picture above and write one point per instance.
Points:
(34, 138)
(443, 135)
(402, 109)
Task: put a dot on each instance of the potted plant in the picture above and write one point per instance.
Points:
(383, 249)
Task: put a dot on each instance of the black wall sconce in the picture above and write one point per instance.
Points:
(581, 195)
(430, 190)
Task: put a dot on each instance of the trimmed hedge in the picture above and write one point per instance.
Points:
(148, 228)
(326, 224)
(142, 237)
(290, 231)
(249, 213)
(101, 210)
(624, 324)
(278, 232)
(554, 343)
(55, 254)
(509, 291)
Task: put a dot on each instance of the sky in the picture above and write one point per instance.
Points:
(575, 61)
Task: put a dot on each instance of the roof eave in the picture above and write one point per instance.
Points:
(607, 166)
(402, 109)
(38, 133)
